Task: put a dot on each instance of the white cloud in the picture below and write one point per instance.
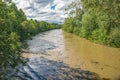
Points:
(41, 9)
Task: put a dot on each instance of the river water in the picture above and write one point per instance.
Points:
(56, 45)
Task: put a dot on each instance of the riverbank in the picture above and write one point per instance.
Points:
(99, 24)
(15, 28)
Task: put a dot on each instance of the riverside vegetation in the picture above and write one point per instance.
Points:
(95, 20)
(14, 30)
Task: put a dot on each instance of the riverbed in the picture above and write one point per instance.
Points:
(61, 51)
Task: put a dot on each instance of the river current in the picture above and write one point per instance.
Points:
(73, 51)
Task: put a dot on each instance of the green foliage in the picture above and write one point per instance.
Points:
(71, 23)
(114, 38)
(88, 24)
(29, 28)
(14, 30)
(10, 49)
(97, 20)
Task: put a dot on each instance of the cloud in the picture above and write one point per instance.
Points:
(41, 9)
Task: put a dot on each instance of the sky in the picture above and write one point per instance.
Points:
(44, 10)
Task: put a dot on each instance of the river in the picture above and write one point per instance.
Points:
(69, 49)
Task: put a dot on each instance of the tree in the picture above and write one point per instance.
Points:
(95, 20)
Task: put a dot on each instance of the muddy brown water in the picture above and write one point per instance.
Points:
(76, 52)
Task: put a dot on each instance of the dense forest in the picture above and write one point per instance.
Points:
(95, 20)
(14, 30)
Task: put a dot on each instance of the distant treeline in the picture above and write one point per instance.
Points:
(95, 20)
(14, 30)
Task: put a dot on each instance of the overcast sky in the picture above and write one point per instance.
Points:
(44, 10)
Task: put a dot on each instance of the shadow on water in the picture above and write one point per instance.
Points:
(44, 69)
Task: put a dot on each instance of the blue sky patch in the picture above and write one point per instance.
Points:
(53, 7)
